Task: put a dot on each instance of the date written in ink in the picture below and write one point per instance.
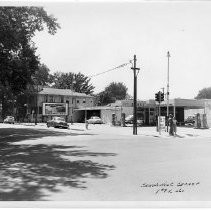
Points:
(165, 190)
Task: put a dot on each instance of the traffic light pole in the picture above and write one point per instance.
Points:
(135, 97)
(159, 97)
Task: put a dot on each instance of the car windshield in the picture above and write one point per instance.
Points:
(59, 119)
(95, 118)
(129, 117)
(10, 117)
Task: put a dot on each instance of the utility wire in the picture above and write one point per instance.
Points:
(125, 64)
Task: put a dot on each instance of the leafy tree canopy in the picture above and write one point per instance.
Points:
(205, 93)
(114, 91)
(117, 90)
(18, 62)
(74, 81)
(42, 76)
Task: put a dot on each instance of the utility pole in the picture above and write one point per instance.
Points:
(135, 96)
(167, 94)
(163, 89)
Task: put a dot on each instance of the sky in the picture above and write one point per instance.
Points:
(98, 36)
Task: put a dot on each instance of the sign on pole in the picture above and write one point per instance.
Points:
(161, 123)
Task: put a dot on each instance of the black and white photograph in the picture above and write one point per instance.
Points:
(106, 102)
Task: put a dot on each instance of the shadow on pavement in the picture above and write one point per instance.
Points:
(76, 129)
(192, 135)
(31, 172)
(20, 134)
(179, 136)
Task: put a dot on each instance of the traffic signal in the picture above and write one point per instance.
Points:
(162, 97)
(157, 97)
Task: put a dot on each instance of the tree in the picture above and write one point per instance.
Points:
(104, 98)
(77, 82)
(204, 93)
(18, 62)
(42, 76)
(128, 96)
(117, 90)
(114, 91)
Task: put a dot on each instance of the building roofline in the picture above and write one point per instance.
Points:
(63, 92)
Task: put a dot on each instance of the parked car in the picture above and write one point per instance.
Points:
(129, 120)
(9, 119)
(95, 120)
(57, 122)
(190, 121)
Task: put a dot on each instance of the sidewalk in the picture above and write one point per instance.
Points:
(106, 129)
(182, 132)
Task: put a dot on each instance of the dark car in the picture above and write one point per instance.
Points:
(57, 122)
(190, 121)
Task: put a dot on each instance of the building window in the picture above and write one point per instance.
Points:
(62, 99)
(46, 98)
(40, 110)
(78, 101)
(84, 101)
(51, 99)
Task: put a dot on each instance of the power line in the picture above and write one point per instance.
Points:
(117, 67)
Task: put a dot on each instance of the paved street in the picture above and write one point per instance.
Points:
(103, 163)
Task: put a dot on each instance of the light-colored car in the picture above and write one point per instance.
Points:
(129, 120)
(95, 120)
(9, 119)
(57, 122)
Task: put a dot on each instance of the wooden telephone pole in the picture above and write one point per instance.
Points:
(135, 96)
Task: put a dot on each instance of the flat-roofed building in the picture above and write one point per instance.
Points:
(148, 110)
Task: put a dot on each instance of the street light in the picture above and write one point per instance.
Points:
(167, 94)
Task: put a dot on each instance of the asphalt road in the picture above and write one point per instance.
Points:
(102, 164)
